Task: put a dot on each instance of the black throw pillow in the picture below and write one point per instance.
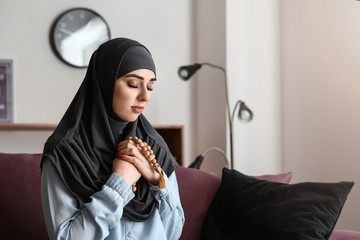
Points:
(247, 208)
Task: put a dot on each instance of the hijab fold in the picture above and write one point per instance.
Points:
(83, 145)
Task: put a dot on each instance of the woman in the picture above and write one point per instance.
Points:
(87, 193)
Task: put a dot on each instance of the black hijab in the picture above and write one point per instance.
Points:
(82, 147)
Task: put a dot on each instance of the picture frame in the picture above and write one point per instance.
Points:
(6, 91)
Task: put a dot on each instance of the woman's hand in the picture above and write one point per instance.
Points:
(132, 154)
(126, 170)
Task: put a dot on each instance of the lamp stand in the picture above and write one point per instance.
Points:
(229, 117)
(245, 114)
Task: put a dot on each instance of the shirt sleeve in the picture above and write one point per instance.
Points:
(67, 218)
(169, 205)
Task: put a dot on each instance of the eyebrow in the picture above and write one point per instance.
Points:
(138, 77)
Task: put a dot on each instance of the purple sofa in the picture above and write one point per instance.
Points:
(21, 215)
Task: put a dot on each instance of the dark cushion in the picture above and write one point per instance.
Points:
(197, 188)
(21, 215)
(249, 208)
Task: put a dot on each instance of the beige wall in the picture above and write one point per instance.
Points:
(321, 91)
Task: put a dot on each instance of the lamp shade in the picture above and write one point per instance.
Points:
(245, 114)
(186, 72)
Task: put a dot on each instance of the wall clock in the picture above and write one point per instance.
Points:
(76, 34)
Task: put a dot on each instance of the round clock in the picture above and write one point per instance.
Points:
(76, 34)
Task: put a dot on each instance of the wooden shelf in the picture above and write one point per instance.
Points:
(172, 134)
(27, 126)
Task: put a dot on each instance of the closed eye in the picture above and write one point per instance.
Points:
(132, 86)
(135, 86)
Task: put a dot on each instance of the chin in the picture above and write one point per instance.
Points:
(131, 118)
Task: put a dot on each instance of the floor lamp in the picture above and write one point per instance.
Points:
(244, 114)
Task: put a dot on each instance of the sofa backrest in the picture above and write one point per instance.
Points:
(21, 215)
(197, 189)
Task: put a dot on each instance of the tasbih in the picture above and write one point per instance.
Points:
(149, 155)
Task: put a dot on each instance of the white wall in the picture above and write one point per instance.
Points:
(252, 56)
(44, 86)
(321, 91)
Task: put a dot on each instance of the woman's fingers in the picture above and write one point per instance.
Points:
(125, 144)
(130, 159)
(132, 152)
(145, 169)
(142, 165)
(129, 147)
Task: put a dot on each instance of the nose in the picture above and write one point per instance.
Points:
(144, 95)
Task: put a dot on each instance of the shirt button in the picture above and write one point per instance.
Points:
(129, 234)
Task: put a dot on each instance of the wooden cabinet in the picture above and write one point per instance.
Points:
(174, 137)
(172, 134)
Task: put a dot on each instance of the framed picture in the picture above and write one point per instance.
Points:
(6, 96)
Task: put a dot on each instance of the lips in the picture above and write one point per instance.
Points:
(137, 109)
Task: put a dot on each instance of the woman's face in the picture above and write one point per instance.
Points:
(132, 93)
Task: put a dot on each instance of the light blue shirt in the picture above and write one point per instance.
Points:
(67, 217)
